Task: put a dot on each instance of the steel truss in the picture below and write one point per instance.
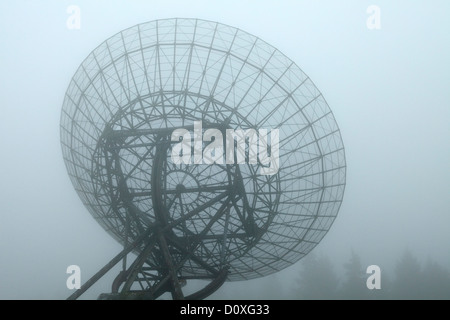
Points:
(184, 221)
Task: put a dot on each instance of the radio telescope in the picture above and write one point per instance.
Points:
(219, 221)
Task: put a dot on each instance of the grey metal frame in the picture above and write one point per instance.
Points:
(217, 222)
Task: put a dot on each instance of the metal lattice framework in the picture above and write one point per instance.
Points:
(193, 221)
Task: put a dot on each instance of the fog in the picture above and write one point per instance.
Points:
(388, 89)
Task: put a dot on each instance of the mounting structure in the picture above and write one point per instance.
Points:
(220, 221)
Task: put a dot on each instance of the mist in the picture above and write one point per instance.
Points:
(387, 88)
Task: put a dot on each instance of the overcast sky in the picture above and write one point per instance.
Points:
(388, 89)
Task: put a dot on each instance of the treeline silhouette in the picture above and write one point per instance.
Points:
(411, 280)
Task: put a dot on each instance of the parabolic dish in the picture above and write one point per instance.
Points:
(134, 89)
